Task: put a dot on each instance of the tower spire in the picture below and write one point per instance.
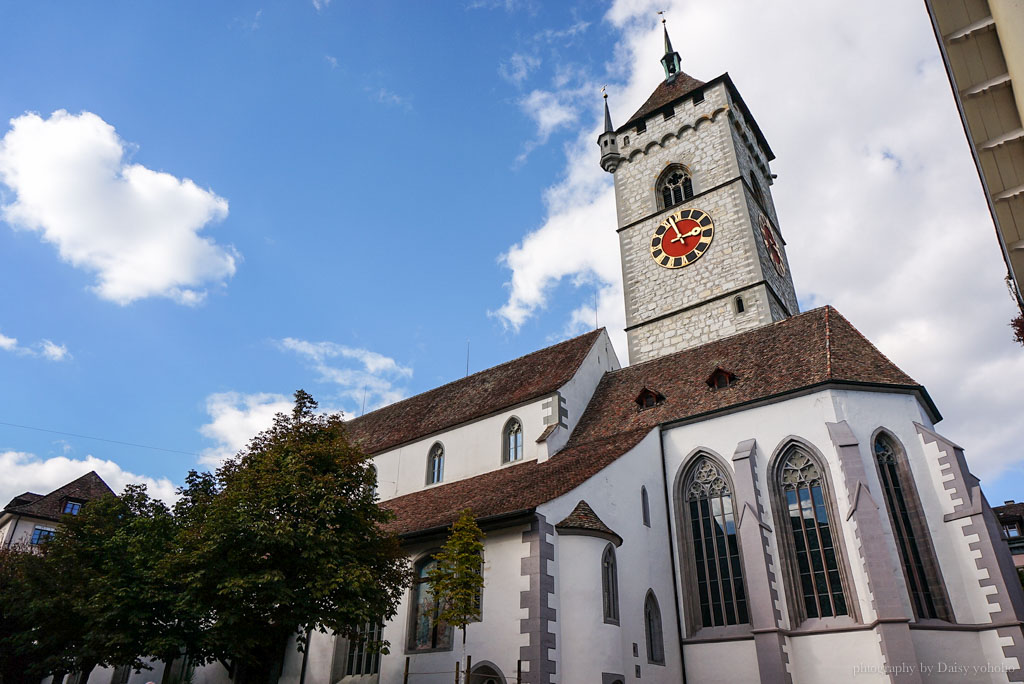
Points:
(608, 128)
(670, 61)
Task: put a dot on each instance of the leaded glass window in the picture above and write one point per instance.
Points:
(652, 630)
(716, 572)
(435, 464)
(816, 561)
(429, 632)
(512, 441)
(675, 187)
(610, 586)
(910, 534)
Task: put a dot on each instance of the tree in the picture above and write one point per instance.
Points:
(19, 651)
(100, 592)
(457, 579)
(286, 536)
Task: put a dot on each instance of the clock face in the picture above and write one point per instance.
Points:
(768, 235)
(682, 238)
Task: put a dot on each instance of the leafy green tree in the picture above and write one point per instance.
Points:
(457, 579)
(19, 651)
(286, 536)
(101, 595)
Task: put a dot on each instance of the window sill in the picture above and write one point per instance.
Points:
(724, 633)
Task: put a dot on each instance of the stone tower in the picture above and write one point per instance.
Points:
(702, 253)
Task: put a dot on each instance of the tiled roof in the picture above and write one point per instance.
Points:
(86, 488)
(811, 349)
(667, 91)
(476, 396)
(1008, 513)
(584, 518)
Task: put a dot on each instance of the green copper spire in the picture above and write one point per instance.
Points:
(671, 60)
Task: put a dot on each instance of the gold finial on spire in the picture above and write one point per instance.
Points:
(662, 14)
(604, 91)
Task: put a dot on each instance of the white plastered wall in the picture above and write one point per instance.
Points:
(643, 563)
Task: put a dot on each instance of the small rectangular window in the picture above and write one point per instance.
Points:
(698, 97)
(41, 534)
(669, 112)
(625, 141)
(72, 507)
(1011, 530)
(641, 126)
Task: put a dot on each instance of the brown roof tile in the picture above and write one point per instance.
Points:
(478, 395)
(810, 349)
(584, 518)
(666, 92)
(86, 488)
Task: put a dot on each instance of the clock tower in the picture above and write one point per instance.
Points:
(702, 254)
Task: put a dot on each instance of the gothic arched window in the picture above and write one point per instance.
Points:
(652, 630)
(512, 441)
(435, 464)
(715, 574)
(427, 632)
(807, 528)
(610, 586)
(674, 187)
(912, 539)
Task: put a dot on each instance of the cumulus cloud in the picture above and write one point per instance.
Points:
(235, 418)
(135, 228)
(24, 472)
(46, 349)
(877, 195)
(373, 378)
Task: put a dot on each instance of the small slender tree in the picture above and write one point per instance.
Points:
(457, 579)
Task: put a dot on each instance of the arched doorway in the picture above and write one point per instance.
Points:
(486, 673)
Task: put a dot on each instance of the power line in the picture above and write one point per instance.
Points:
(100, 439)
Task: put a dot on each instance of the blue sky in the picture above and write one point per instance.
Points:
(337, 196)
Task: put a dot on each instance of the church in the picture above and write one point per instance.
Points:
(759, 496)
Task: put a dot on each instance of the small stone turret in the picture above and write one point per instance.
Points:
(608, 143)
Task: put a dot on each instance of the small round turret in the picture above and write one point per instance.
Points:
(608, 142)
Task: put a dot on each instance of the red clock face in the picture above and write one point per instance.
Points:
(682, 238)
(768, 235)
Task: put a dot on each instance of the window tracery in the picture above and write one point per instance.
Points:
(512, 441)
(435, 464)
(675, 187)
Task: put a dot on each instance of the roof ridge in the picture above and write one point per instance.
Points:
(479, 372)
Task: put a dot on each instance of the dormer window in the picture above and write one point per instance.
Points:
(71, 507)
(648, 398)
(720, 378)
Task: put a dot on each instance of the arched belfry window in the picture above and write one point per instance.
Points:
(674, 187)
(512, 441)
(610, 586)
(715, 572)
(916, 555)
(652, 630)
(435, 464)
(807, 528)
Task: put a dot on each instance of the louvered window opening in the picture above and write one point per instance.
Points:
(817, 562)
(677, 188)
(364, 651)
(910, 554)
(716, 555)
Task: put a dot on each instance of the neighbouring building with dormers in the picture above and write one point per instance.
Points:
(30, 519)
(759, 496)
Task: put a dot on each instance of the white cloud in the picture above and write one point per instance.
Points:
(46, 349)
(235, 419)
(136, 228)
(24, 472)
(518, 68)
(877, 194)
(321, 4)
(389, 97)
(332, 60)
(372, 381)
